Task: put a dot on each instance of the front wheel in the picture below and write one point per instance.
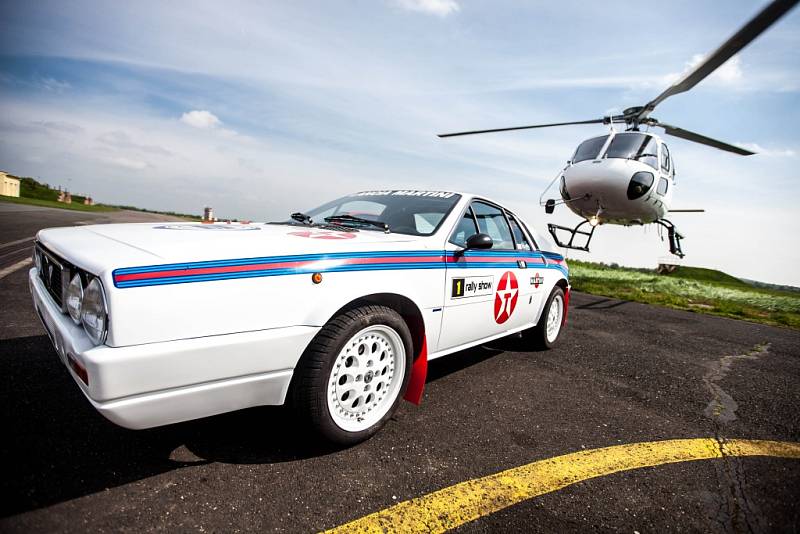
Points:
(545, 334)
(352, 376)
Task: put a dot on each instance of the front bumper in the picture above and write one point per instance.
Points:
(143, 386)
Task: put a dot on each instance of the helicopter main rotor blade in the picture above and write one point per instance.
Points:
(456, 134)
(766, 18)
(702, 139)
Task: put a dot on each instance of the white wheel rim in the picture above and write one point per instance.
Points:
(366, 378)
(554, 318)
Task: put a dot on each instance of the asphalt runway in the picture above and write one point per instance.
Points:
(624, 373)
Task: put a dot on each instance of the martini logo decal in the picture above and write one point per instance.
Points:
(537, 280)
(323, 234)
(505, 298)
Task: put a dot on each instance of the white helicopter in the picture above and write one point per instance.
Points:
(627, 177)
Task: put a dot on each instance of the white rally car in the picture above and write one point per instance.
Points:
(335, 311)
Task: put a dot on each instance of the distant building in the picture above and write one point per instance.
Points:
(65, 197)
(208, 214)
(10, 186)
(88, 201)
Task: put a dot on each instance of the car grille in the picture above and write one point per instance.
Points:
(54, 273)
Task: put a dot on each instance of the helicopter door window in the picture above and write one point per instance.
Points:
(589, 149)
(665, 158)
(637, 146)
(519, 235)
(663, 184)
(492, 221)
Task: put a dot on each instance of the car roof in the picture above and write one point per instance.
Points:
(425, 192)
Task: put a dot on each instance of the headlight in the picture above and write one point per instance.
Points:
(563, 189)
(93, 312)
(640, 183)
(75, 298)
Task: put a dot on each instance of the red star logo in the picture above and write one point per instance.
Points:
(505, 298)
(323, 234)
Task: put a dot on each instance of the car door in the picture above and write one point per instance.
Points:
(531, 278)
(482, 289)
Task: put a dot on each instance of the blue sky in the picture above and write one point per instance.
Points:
(262, 108)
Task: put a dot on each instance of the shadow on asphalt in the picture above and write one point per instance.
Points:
(602, 304)
(58, 448)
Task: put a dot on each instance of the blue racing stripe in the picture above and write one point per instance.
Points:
(187, 267)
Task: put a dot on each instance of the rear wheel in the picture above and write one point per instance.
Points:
(546, 332)
(351, 378)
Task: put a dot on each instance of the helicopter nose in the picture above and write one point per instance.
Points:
(601, 179)
(600, 185)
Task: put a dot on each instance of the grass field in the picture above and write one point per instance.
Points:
(690, 288)
(55, 204)
(94, 208)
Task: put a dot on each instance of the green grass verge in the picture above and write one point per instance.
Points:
(690, 288)
(95, 208)
(55, 204)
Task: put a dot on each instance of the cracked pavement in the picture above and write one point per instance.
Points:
(624, 373)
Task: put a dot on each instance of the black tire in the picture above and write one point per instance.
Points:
(308, 393)
(537, 335)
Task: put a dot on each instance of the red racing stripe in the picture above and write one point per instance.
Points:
(492, 259)
(269, 266)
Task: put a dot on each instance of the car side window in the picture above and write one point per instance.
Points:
(492, 221)
(519, 235)
(464, 229)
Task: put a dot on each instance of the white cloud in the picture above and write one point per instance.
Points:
(770, 152)
(128, 163)
(729, 73)
(441, 8)
(57, 86)
(200, 119)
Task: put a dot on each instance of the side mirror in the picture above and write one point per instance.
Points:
(479, 241)
(550, 205)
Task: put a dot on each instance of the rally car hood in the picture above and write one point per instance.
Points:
(101, 248)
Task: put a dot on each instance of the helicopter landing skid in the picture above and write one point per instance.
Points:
(553, 228)
(674, 237)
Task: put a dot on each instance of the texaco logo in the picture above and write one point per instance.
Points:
(505, 298)
(323, 234)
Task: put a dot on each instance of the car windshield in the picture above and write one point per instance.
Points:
(637, 146)
(404, 211)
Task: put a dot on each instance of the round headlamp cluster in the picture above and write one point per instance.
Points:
(87, 306)
(37, 260)
(75, 299)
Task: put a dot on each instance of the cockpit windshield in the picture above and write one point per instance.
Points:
(634, 145)
(589, 149)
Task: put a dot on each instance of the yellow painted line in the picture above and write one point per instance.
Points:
(451, 507)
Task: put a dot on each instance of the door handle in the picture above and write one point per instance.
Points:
(522, 264)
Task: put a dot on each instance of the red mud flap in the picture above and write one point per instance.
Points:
(566, 306)
(419, 371)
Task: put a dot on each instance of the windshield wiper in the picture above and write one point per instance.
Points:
(350, 218)
(302, 218)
